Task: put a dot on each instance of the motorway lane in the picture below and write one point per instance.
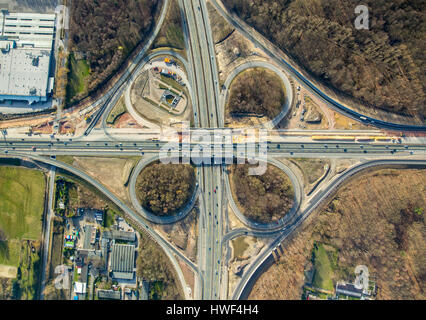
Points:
(276, 149)
(267, 227)
(266, 65)
(113, 94)
(183, 212)
(170, 250)
(205, 76)
(254, 269)
(259, 41)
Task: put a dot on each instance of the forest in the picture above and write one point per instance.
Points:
(105, 33)
(256, 92)
(153, 265)
(382, 67)
(165, 188)
(264, 198)
(381, 226)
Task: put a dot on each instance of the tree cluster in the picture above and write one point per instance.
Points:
(381, 67)
(107, 31)
(256, 92)
(264, 198)
(153, 265)
(165, 188)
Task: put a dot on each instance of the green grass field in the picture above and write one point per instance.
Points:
(79, 72)
(10, 252)
(118, 110)
(21, 202)
(171, 34)
(323, 268)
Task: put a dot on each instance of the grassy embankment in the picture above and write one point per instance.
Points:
(21, 209)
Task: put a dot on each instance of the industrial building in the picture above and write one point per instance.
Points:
(109, 294)
(119, 235)
(122, 261)
(26, 41)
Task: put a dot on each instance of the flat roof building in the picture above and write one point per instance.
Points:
(123, 261)
(26, 41)
(109, 294)
(119, 235)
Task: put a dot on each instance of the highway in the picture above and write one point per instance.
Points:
(287, 148)
(255, 268)
(261, 42)
(170, 250)
(205, 77)
(110, 98)
(213, 190)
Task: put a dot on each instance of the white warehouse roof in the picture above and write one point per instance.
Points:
(26, 41)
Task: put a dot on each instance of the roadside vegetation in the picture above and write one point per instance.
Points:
(116, 112)
(154, 266)
(381, 226)
(21, 209)
(104, 34)
(164, 189)
(171, 34)
(256, 92)
(78, 76)
(382, 67)
(221, 29)
(262, 198)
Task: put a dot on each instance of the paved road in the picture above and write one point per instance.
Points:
(255, 269)
(261, 64)
(290, 147)
(261, 42)
(110, 98)
(207, 115)
(268, 227)
(145, 213)
(170, 250)
(46, 231)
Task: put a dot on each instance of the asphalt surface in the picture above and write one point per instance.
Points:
(207, 115)
(212, 179)
(255, 268)
(171, 251)
(259, 41)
